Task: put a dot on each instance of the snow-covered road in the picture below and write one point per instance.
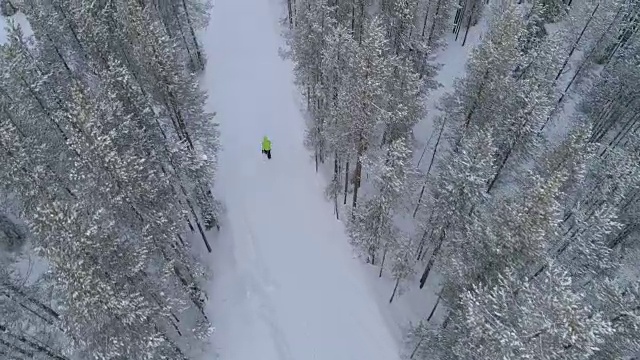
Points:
(285, 284)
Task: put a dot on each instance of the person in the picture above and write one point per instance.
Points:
(266, 147)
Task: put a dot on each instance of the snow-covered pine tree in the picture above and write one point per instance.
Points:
(177, 91)
(406, 101)
(95, 183)
(586, 30)
(619, 299)
(477, 98)
(467, 15)
(510, 231)
(403, 265)
(527, 102)
(84, 237)
(458, 189)
(367, 96)
(28, 328)
(551, 10)
(512, 318)
(607, 199)
(307, 42)
(399, 19)
(623, 31)
(108, 32)
(182, 20)
(595, 220)
(336, 67)
(372, 228)
(436, 21)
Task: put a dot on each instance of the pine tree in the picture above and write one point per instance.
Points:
(405, 101)
(459, 187)
(477, 98)
(307, 45)
(435, 22)
(340, 48)
(516, 319)
(105, 177)
(372, 228)
(367, 96)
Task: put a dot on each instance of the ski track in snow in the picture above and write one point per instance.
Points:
(286, 285)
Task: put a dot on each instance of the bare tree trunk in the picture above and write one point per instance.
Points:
(336, 174)
(432, 259)
(421, 244)
(433, 156)
(575, 44)
(459, 23)
(17, 349)
(426, 17)
(433, 310)
(503, 163)
(357, 177)
(424, 150)
(384, 256)
(194, 37)
(466, 32)
(415, 350)
(47, 309)
(395, 289)
(29, 344)
(433, 23)
(346, 182)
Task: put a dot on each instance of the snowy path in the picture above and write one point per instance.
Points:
(286, 285)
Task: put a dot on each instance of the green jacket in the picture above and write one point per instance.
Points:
(266, 144)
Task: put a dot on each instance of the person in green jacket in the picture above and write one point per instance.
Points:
(266, 147)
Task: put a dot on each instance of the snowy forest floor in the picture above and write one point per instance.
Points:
(286, 284)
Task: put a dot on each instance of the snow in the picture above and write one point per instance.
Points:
(453, 61)
(286, 284)
(20, 19)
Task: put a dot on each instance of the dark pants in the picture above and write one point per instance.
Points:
(268, 152)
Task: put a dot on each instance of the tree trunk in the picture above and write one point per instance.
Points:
(433, 310)
(36, 302)
(421, 245)
(433, 156)
(466, 32)
(183, 36)
(575, 44)
(415, 350)
(459, 24)
(433, 23)
(395, 289)
(290, 13)
(426, 16)
(346, 182)
(16, 348)
(432, 259)
(336, 174)
(384, 256)
(194, 37)
(356, 185)
(424, 150)
(31, 345)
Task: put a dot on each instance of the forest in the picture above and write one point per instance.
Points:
(526, 203)
(107, 159)
(511, 194)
